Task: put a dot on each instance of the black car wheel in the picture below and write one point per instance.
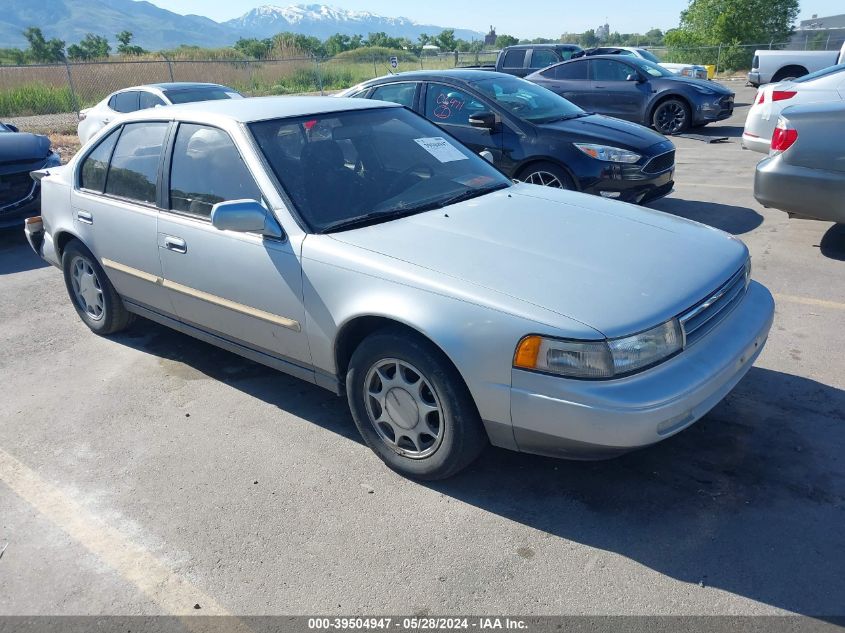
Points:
(671, 117)
(412, 407)
(547, 175)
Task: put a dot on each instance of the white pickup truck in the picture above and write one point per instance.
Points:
(769, 66)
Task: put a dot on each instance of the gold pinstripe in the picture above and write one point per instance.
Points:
(204, 296)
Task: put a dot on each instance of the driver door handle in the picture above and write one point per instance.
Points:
(175, 244)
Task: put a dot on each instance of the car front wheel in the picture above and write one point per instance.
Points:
(411, 406)
(95, 299)
(547, 175)
(671, 117)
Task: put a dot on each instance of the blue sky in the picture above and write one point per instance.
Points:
(546, 18)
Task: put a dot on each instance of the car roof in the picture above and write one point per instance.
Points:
(255, 109)
(557, 45)
(174, 85)
(463, 74)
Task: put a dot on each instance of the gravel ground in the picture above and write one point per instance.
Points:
(147, 473)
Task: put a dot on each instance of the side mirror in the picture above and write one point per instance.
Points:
(634, 77)
(487, 155)
(244, 216)
(485, 120)
(13, 128)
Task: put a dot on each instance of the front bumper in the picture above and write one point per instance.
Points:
(582, 419)
(800, 191)
(715, 110)
(13, 215)
(637, 187)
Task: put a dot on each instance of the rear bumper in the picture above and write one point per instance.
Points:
(754, 79)
(800, 191)
(756, 144)
(597, 419)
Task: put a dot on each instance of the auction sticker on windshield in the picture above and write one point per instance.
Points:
(440, 148)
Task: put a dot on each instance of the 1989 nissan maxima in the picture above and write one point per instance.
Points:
(353, 244)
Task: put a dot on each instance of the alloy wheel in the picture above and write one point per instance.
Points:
(545, 178)
(671, 118)
(87, 288)
(404, 408)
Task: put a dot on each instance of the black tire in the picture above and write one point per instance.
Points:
(544, 173)
(459, 427)
(671, 117)
(110, 315)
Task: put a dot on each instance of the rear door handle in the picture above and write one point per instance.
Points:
(175, 244)
(85, 217)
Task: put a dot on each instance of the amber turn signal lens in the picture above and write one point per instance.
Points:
(526, 352)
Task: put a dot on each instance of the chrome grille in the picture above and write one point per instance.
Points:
(14, 188)
(703, 317)
(660, 163)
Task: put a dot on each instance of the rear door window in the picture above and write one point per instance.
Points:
(134, 165)
(124, 101)
(149, 100)
(206, 169)
(576, 71)
(542, 57)
(609, 70)
(514, 58)
(401, 93)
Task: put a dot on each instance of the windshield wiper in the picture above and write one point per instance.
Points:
(375, 217)
(565, 117)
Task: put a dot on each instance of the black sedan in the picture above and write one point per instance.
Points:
(21, 153)
(637, 90)
(534, 135)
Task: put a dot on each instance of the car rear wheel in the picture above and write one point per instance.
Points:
(411, 406)
(547, 175)
(671, 117)
(95, 299)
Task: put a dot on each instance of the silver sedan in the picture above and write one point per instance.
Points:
(353, 244)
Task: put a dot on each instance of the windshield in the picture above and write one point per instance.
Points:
(650, 68)
(648, 55)
(190, 95)
(528, 101)
(348, 169)
(824, 72)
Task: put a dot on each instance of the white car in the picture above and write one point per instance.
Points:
(823, 86)
(93, 119)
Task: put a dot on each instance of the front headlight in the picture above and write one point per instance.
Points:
(608, 153)
(599, 359)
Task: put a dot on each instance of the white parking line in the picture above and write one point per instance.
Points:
(809, 301)
(174, 594)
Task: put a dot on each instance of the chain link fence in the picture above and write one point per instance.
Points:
(61, 90)
(50, 89)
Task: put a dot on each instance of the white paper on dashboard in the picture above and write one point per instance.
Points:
(440, 148)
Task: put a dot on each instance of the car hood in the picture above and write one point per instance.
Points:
(23, 147)
(617, 268)
(703, 83)
(607, 131)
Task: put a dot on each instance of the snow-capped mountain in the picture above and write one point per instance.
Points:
(322, 21)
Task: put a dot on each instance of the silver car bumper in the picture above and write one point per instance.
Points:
(596, 419)
(800, 191)
(756, 144)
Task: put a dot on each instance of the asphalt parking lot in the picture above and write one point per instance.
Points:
(149, 473)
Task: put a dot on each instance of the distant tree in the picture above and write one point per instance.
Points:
(285, 44)
(253, 47)
(91, 47)
(12, 56)
(125, 47)
(41, 50)
(337, 43)
(383, 40)
(588, 39)
(424, 39)
(446, 40)
(506, 40)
